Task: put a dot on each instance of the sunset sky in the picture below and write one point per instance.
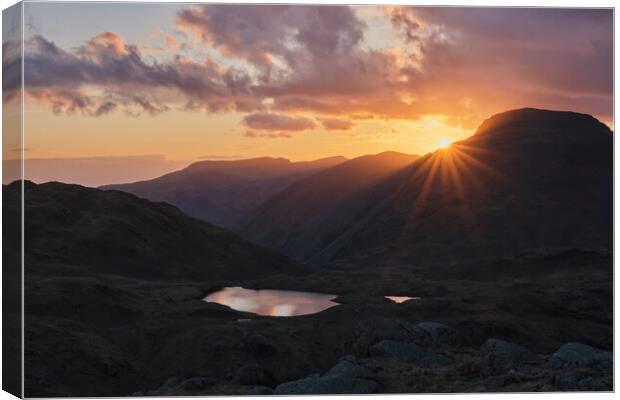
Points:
(192, 82)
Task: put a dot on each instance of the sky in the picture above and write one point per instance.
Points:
(187, 82)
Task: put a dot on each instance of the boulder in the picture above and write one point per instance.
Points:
(328, 384)
(180, 386)
(348, 366)
(583, 380)
(346, 377)
(254, 375)
(436, 332)
(373, 330)
(581, 355)
(257, 345)
(408, 352)
(500, 357)
(260, 391)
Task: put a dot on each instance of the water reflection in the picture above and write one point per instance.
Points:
(276, 303)
(401, 299)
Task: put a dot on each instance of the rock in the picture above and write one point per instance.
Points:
(254, 375)
(373, 330)
(581, 355)
(328, 384)
(196, 384)
(596, 383)
(500, 357)
(257, 345)
(178, 386)
(346, 377)
(260, 391)
(582, 380)
(348, 366)
(437, 332)
(170, 383)
(408, 352)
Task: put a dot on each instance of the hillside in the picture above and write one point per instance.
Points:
(308, 217)
(528, 181)
(222, 192)
(74, 230)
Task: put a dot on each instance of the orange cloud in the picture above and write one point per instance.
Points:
(106, 41)
(277, 122)
(336, 124)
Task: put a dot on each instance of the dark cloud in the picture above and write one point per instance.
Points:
(258, 33)
(277, 122)
(105, 108)
(336, 124)
(262, 134)
(499, 58)
(122, 77)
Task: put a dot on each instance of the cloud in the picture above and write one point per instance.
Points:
(462, 64)
(501, 58)
(170, 41)
(277, 122)
(105, 108)
(260, 33)
(262, 134)
(107, 71)
(336, 124)
(105, 42)
(221, 157)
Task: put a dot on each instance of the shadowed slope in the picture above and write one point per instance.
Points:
(71, 229)
(309, 218)
(527, 181)
(221, 192)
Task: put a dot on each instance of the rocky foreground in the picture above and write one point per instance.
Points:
(427, 359)
(546, 328)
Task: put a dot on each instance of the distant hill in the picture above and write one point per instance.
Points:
(308, 218)
(74, 230)
(90, 171)
(222, 192)
(528, 181)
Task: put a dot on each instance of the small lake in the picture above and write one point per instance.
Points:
(401, 299)
(275, 303)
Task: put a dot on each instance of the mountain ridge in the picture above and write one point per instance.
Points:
(527, 179)
(75, 230)
(306, 218)
(221, 192)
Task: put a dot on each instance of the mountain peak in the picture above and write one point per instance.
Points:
(538, 119)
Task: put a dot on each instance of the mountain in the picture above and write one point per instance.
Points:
(308, 218)
(528, 182)
(74, 230)
(221, 192)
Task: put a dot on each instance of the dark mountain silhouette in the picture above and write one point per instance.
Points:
(221, 192)
(74, 230)
(528, 181)
(306, 219)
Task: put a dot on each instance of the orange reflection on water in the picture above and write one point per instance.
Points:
(401, 299)
(275, 303)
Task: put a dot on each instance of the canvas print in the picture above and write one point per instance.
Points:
(217, 199)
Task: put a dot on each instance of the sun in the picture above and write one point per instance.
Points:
(443, 143)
